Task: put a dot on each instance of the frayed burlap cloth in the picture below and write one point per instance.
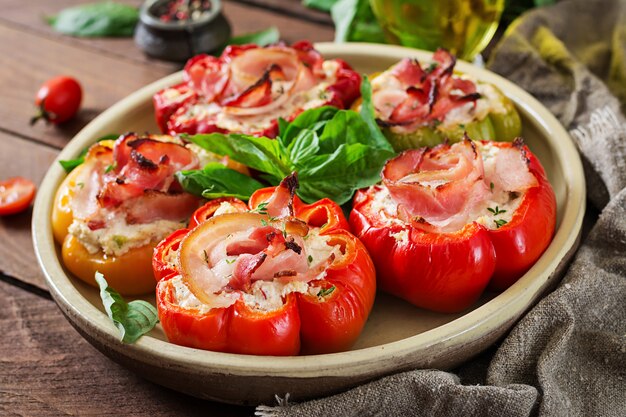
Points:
(567, 356)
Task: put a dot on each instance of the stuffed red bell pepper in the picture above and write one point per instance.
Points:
(448, 221)
(281, 278)
(248, 88)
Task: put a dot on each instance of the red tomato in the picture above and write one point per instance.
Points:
(58, 99)
(16, 195)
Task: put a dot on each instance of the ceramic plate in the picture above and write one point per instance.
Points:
(397, 335)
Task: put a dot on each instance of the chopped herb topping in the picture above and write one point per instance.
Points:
(496, 211)
(110, 168)
(309, 259)
(499, 223)
(491, 186)
(462, 126)
(263, 222)
(261, 208)
(230, 261)
(326, 291)
(119, 240)
(80, 185)
(206, 256)
(433, 66)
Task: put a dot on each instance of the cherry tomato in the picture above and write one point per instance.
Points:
(58, 100)
(16, 195)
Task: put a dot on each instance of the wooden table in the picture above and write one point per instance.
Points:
(46, 368)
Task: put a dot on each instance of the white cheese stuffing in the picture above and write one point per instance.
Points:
(118, 237)
(306, 99)
(402, 236)
(225, 208)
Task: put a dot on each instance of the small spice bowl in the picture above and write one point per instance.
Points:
(176, 30)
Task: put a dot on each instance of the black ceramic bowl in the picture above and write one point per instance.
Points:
(178, 40)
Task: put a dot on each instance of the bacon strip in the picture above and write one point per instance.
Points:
(438, 186)
(428, 94)
(143, 164)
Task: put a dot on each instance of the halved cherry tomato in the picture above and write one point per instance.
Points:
(58, 100)
(16, 195)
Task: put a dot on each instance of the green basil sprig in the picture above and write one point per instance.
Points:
(215, 180)
(334, 152)
(133, 319)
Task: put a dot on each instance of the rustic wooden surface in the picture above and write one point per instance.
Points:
(46, 368)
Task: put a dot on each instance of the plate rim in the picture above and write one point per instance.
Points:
(82, 313)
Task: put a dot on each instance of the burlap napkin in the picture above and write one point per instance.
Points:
(567, 356)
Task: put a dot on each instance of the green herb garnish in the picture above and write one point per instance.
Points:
(215, 180)
(110, 168)
(491, 186)
(499, 223)
(496, 211)
(132, 319)
(119, 240)
(230, 261)
(326, 291)
(433, 66)
(334, 152)
(261, 208)
(309, 259)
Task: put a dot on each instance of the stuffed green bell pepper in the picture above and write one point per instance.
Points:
(418, 107)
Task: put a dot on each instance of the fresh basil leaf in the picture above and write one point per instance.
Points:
(368, 115)
(215, 180)
(333, 151)
(106, 18)
(132, 319)
(313, 119)
(355, 22)
(323, 5)
(260, 153)
(338, 175)
(69, 164)
(261, 38)
(303, 147)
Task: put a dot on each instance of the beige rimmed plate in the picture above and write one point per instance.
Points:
(397, 335)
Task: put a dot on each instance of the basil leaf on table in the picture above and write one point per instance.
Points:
(355, 22)
(215, 180)
(106, 18)
(334, 152)
(132, 319)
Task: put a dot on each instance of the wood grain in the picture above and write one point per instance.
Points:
(20, 157)
(34, 59)
(47, 369)
(27, 15)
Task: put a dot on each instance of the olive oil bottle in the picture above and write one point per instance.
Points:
(464, 27)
